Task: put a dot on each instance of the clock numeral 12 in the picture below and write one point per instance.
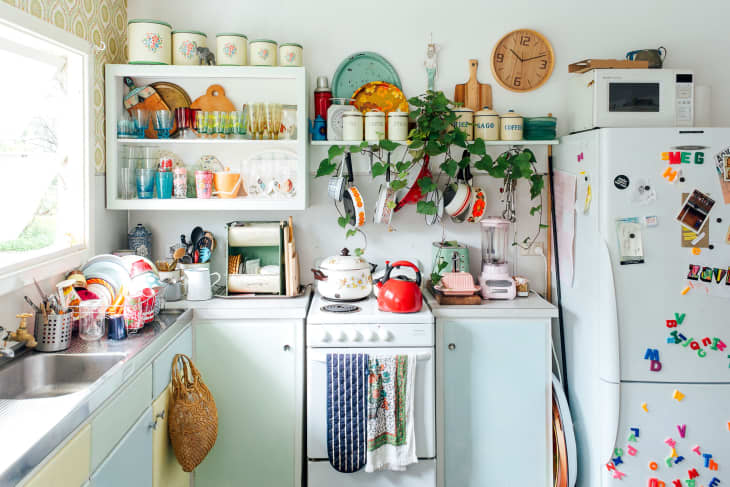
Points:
(525, 41)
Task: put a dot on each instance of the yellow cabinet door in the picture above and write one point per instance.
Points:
(70, 467)
(166, 471)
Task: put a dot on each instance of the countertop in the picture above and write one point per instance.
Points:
(531, 307)
(33, 428)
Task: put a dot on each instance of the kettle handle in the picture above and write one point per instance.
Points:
(403, 263)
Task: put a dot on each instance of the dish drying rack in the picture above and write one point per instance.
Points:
(53, 331)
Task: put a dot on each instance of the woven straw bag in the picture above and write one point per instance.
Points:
(193, 420)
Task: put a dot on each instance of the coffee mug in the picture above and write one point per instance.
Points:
(199, 285)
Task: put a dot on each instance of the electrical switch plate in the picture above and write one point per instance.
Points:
(536, 249)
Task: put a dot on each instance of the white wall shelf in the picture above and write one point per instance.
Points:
(502, 143)
(242, 85)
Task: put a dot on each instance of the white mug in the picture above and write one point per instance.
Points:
(199, 283)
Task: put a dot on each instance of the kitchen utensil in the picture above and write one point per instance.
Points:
(386, 200)
(354, 206)
(204, 248)
(400, 294)
(456, 198)
(213, 100)
(344, 277)
(495, 279)
(199, 285)
(145, 98)
(196, 235)
(32, 304)
(359, 69)
(337, 184)
(655, 57)
(294, 256)
(478, 206)
(380, 96)
(473, 94)
(437, 197)
(413, 193)
(91, 319)
(52, 331)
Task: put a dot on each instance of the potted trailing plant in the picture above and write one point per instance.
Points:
(434, 136)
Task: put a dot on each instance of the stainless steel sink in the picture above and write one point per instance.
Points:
(39, 375)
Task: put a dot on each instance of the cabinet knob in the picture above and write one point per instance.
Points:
(452, 346)
(287, 348)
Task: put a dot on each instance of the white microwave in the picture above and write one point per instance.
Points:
(631, 98)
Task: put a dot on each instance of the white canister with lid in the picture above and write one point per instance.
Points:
(486, 124)
(374, 125)
(149, 41)
(262, 52)
(398, 126)
(465, 121)
(510, 126)
(352, 126)
(231, 49)
(291, 54)
(185, 44)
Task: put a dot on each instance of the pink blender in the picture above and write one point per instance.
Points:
(495, 279)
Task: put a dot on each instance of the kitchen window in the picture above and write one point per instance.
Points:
(45, 149)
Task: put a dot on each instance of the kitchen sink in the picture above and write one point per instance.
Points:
(39, 375)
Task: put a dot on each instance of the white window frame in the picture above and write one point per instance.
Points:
(21, 274)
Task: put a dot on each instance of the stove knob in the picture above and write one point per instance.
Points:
(325, 336)
(385, 335)
(372, 336)
(354, 335)
(342, 337)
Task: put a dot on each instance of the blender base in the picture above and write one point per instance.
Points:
(496, 282)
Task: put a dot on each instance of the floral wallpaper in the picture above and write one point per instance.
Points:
(101, 22)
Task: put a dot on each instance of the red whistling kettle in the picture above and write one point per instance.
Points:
(400, 294)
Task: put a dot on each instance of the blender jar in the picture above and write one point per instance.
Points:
(495, 240)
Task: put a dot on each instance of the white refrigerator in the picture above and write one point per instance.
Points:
(627, 266)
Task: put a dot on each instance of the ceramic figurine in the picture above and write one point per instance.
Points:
(206, 57)
(431, 64)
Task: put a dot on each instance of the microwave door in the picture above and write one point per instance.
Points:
(634, 103)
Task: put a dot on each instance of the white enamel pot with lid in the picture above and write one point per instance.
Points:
(344, 277)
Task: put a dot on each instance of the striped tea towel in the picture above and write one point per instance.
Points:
(347, 375)
(391, 437)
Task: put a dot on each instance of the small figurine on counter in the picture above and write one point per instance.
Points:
(431, 63)
(206, 57)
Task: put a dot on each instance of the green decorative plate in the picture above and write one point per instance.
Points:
(359, 69)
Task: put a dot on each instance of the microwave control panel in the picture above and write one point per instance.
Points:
(685, 99)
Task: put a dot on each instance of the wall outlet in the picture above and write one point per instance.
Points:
(533, 250)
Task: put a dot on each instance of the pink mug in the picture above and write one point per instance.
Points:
(204, 184)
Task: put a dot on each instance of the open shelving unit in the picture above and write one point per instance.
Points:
(243, 85)
(502, 143)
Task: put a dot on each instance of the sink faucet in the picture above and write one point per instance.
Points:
(6, 351)
(22, 334)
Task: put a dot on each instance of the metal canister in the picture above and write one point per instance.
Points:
(374, 125)
(486, 124)
(510, 126)
(352, 126)
(398, 126)
(465, 121)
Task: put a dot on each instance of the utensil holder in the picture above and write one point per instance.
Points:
(54, 336)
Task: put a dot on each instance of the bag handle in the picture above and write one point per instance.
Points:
(185, 376)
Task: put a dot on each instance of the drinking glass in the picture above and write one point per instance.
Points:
(126, 183)
(163, 120)
(126, 128)
(273, 120)
(146, 183)
(141, 119)
(237, 125)
(214, 123)
(201, 123)
(92, 325)
(164, 185)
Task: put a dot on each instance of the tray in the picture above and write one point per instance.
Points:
(359, 69)
(589, 64)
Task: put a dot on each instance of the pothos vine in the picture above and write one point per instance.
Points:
(434, 135)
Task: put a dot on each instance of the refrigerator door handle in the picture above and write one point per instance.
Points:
(609, 410)
(608, 333)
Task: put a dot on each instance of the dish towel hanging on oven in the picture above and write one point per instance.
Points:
(347, 375)
(391, 437)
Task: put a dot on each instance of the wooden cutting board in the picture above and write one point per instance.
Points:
(214, 100)
(145, 98)
(474, 299)
(473, 94)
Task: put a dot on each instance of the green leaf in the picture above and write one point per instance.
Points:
(535, 209)
(378, 169)
(542, 225)
(389, 145)
(478, 147)
(427, 185)
(342, 221)
(531, 154)
(460, 138)
(537, 183)
(402, 166)
(350, 233)
(449, 166)
(356, 148)
(416, 101)
(325, 168)
(397, 184)
(416, 155)
(426, 207)
(416, 144)
(484, 163)
(433, 148)
(443, 264)
(465, 161)
(335, 150)
(391, 204)
(435, 278)
(359, 252)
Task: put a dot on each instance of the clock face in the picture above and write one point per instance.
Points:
(522, 60)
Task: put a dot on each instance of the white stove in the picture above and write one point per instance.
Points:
(360, 327)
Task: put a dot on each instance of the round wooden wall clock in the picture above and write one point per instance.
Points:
(522, 60)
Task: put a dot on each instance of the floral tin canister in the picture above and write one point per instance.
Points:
(149, 41)
(291, 54)
(185, 44)
(262, 52)
(231, 49)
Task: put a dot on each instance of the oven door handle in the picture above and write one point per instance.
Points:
(322, 357)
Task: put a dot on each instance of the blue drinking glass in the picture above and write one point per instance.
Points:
(164, 185)
(146, 183)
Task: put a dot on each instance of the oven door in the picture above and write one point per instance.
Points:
(635, 98)
(423, 407)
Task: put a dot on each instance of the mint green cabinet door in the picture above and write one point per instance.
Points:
(496, 390)
(251, 369)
